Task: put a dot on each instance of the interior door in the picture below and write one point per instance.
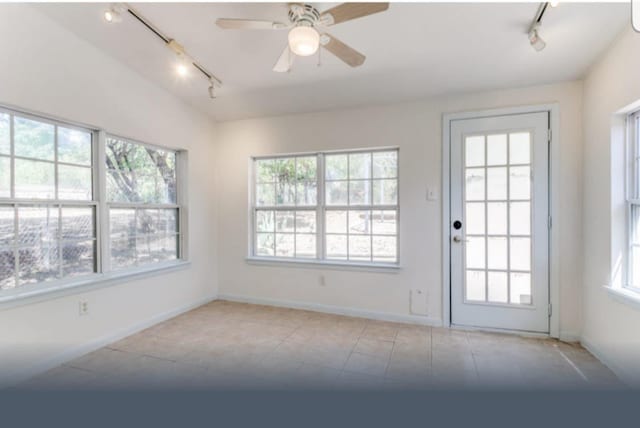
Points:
(500, 222)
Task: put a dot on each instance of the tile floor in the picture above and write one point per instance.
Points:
(225, 345)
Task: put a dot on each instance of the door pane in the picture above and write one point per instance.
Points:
(520, 218)
(474, 184)
(497, 149)
(497, 257)
(475, 218)
(496, 183)
(520, 254)
(519, 148)
(475, 285)
(519, 182)
(497, 218)
(521, 288)
(475, 252)
(474, 151)
(498, 287)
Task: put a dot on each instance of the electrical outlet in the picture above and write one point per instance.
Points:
(83, 307)
(321, 281)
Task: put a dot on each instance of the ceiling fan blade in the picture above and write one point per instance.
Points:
(346, 53)
(285, 61)
(348, 11)
(248, 24)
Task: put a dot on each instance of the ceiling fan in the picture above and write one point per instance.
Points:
(307, 30)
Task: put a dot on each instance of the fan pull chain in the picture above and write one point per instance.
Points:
(319, 56)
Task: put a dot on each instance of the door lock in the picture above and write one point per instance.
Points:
(458, 239)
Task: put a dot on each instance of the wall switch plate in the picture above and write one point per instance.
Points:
(83, 308)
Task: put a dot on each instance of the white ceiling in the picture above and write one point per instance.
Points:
(413, 51)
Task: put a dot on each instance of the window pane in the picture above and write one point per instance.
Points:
(7, 269)
(519, 182)
(519, 148)
(305, 245)
(475, 218)
(475, 252)
(265, 244)
(168, 221)
(360, 192)
(336, 193)
(336, 222)
(74, 146)
(305, 222)
(359, 165)
(497, 150)
(385, 164)
(5, 134)
(122, 222)
(384, 249)
(498, 288)
(34, 179)
(385, 192)
(285, 221)
(266, 171)
(5, 177)
(156, 249)
(359, 222)
(123, 252)
(474, 184)
(336, 167)
(475, 286)
(306, 193)
(39, 264)
(37, 226)
(74, 183)
(137, 173)
(147, 222)
(306, 168)
(384, 222)
(474, 151)
(359, 247)
(284, 245)
(496, 183)
(336, 247)
(7, 225)
(265, 195)
(78, 258)
(77, 223)
(34, 139)
(286, 193)
(265, 221)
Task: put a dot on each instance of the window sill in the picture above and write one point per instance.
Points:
(53, 290)
(318, 264)
(625, 296)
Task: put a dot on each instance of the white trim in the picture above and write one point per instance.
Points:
(77, 351)
(624, 295)
(54, 290)
(336, 310)
(622, 375)
(569, 336)
(323, 264)
(554, 204)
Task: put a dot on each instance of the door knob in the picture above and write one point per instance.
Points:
(458, 239)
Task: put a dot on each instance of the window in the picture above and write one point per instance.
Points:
(47, 206)
(340, 207)
(142, 204)
(633, 201)
(75, 205)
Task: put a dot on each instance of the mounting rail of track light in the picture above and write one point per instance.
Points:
(533, 33)
(114, 14)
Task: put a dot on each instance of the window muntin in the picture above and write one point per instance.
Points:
(633, 203)
(47, 209)
(358, 221)
(142, 204)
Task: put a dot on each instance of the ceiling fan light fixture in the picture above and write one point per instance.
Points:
(304, 40)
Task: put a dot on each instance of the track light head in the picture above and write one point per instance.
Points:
(183, 65)
(114, 13)
(554, 3)
(535, 40)
(212, 89)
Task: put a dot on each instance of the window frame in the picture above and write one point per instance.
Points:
(103, 274)
(321, 209)
(632, 195)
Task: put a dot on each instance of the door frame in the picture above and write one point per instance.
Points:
(554, 195)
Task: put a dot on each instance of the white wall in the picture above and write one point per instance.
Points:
(47, 69)
(610, 326)
(416, 129)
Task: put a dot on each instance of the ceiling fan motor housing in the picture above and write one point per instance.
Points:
(303, 14)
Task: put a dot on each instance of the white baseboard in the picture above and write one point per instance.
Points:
(569, 336)
(77, 351)
(337, 310)
(597, 352)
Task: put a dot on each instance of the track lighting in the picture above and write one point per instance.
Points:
(554, 3)
(212, 89)
(535, 40)
(113, 14)
(182, 66)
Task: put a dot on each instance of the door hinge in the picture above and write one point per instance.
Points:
(549, 222)
(549, 135)
(550, 309)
